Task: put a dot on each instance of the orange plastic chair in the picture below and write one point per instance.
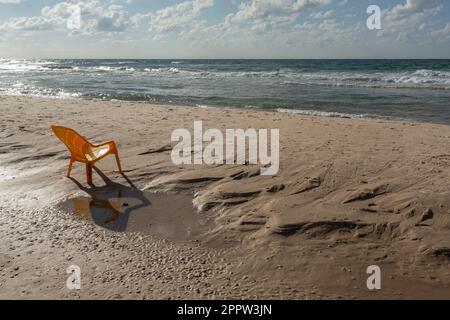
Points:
(83, 151)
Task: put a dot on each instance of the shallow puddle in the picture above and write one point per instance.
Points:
(131, 210)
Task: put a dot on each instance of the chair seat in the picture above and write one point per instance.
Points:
(95, 153)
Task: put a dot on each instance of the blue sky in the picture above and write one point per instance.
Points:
(223, 29)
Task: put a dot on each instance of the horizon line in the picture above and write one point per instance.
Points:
(130, 58)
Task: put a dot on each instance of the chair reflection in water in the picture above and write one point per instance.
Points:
(106, 206)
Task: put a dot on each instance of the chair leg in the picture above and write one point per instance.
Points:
(118, 160)
(69, 170)
(89, 173)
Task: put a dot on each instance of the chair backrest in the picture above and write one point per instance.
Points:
(75, 142)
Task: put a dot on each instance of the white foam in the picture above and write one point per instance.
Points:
(202, 106)
(21, 89)
(20, 66)
(422, 76)
(323, 113)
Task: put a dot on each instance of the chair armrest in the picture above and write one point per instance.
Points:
(105, 143)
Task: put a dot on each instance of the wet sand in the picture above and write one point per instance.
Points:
(350, 193)
(171, 216)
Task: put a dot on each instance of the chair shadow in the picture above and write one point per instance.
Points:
(100, 206)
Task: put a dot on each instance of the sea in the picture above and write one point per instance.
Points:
(417, 90)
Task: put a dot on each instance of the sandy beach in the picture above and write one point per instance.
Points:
(350, 193)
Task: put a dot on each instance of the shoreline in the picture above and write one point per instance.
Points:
(299, 112)
(350, 193)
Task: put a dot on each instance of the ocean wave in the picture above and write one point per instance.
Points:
(12, 65)
(430, 79)
(203, 106)
(413, 79)
(106, 69)
(422, 76)
(21, 89)
(325, 113)
(40, 66)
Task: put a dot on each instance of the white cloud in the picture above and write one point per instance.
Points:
(273, 24)
(322, 14)
(176, 18)
(404, 21)
(262, 9)
(11, 1)
(95, 18)
(37, 23)
(443, 34)
(98, 17)
(257, 16)
(200, 5)
(413, 7)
